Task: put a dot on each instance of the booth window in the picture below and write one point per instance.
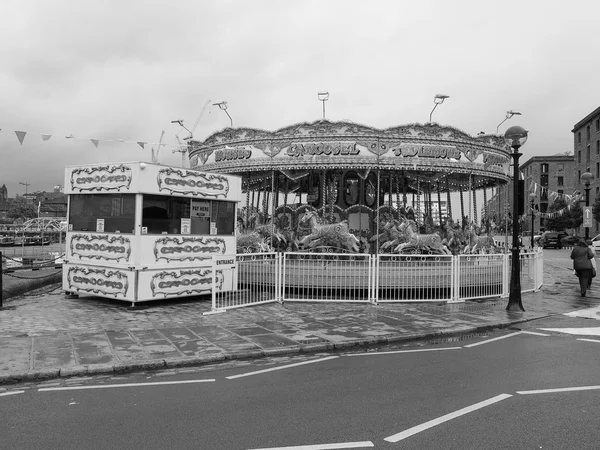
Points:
(116, 212)
(163, 215)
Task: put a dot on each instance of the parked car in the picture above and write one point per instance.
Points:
(596, 243)
(569, 241)
(552, 239)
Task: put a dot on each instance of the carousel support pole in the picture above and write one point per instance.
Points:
(248, 201)
(449, 204)
(418, 204)
(272, 206)
(470, 199)
(484, 214)
(439, 203)
(324, 194)
(397, 188)
(474, 204)
(404, 197)
(462, 207)
(377, 212)
(390, 190)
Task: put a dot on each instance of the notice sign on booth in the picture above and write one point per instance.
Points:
(186, 226)
(587, 216)
(200, 209)
(100, 225)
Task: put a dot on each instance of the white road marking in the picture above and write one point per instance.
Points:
(590, 313)
(535, 333)
(280, 367)
(108, 386)
(404, 351)
(493, 339)
(589, 340)
(550, 391)
(364, 444)
(11, 393)
(432, 423)
(593, 331)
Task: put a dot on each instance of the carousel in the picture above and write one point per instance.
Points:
(344, 187)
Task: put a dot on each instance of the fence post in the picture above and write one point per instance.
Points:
(506, 275)
(454, 279)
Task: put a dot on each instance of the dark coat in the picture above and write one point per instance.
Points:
(581, 256)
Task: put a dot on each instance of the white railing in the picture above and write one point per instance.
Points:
(327, 277)
(253, 279)
(340, 277)
(480, 276)
(414, 278)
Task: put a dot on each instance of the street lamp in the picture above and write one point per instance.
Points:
(223, 106)
(532, 197)
(515, 137)
(587, 179)
(438, 100)
(509, 114)
(323, 97)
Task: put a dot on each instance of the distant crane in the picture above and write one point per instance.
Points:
(183, 148)
(157, 147)
(26, 186)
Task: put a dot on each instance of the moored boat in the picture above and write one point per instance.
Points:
(7, 241)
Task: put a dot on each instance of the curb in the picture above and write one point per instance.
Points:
(174, 363)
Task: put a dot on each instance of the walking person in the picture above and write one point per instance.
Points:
(582, 256)
(589, 243)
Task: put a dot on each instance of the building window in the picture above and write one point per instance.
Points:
(579, 175)
(597, 124)
(588, 154)
(561, 181)
(588, 133)
(579, 137)
(560, 167)
(597, 147)
(579, 156)
(544, 180)
(598, 170)
(560, 191)
(544, 168)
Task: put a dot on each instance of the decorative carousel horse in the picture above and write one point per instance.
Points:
(478, 243)
(256, 236)
(328, 235)
(420, 242)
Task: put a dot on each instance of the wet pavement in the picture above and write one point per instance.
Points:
(44, 335)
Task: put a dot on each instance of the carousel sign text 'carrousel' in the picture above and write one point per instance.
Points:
(351, 148)
(194, 183)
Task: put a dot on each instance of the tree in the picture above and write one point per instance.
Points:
(570, 218)
(20, 209)
(596, 209)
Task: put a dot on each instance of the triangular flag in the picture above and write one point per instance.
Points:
(45, 137)
(141, 144)
(21, 135)
(95, 142)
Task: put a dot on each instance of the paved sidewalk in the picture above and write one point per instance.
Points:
(43, 335)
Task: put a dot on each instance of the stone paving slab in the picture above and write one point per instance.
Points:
(44, 335)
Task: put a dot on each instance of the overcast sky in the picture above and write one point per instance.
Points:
(111, 70)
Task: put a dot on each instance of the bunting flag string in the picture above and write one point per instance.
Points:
(572, 200)
(96, 142)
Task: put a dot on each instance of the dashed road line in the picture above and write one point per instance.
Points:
(493, 339)
(404, 351)
(364, 444)
(432, 423)
(535, 333)
(568, 389)
(109, 386)
(247, 374)
(3, 394)
(589, 340)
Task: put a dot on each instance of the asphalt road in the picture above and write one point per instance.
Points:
(470, 394)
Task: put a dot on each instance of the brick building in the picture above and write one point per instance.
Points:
(586, 143)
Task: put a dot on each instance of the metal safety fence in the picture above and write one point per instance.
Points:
(327, 277)
(245, 279)
(252, 279)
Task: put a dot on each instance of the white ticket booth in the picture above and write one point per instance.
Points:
(139, 231)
